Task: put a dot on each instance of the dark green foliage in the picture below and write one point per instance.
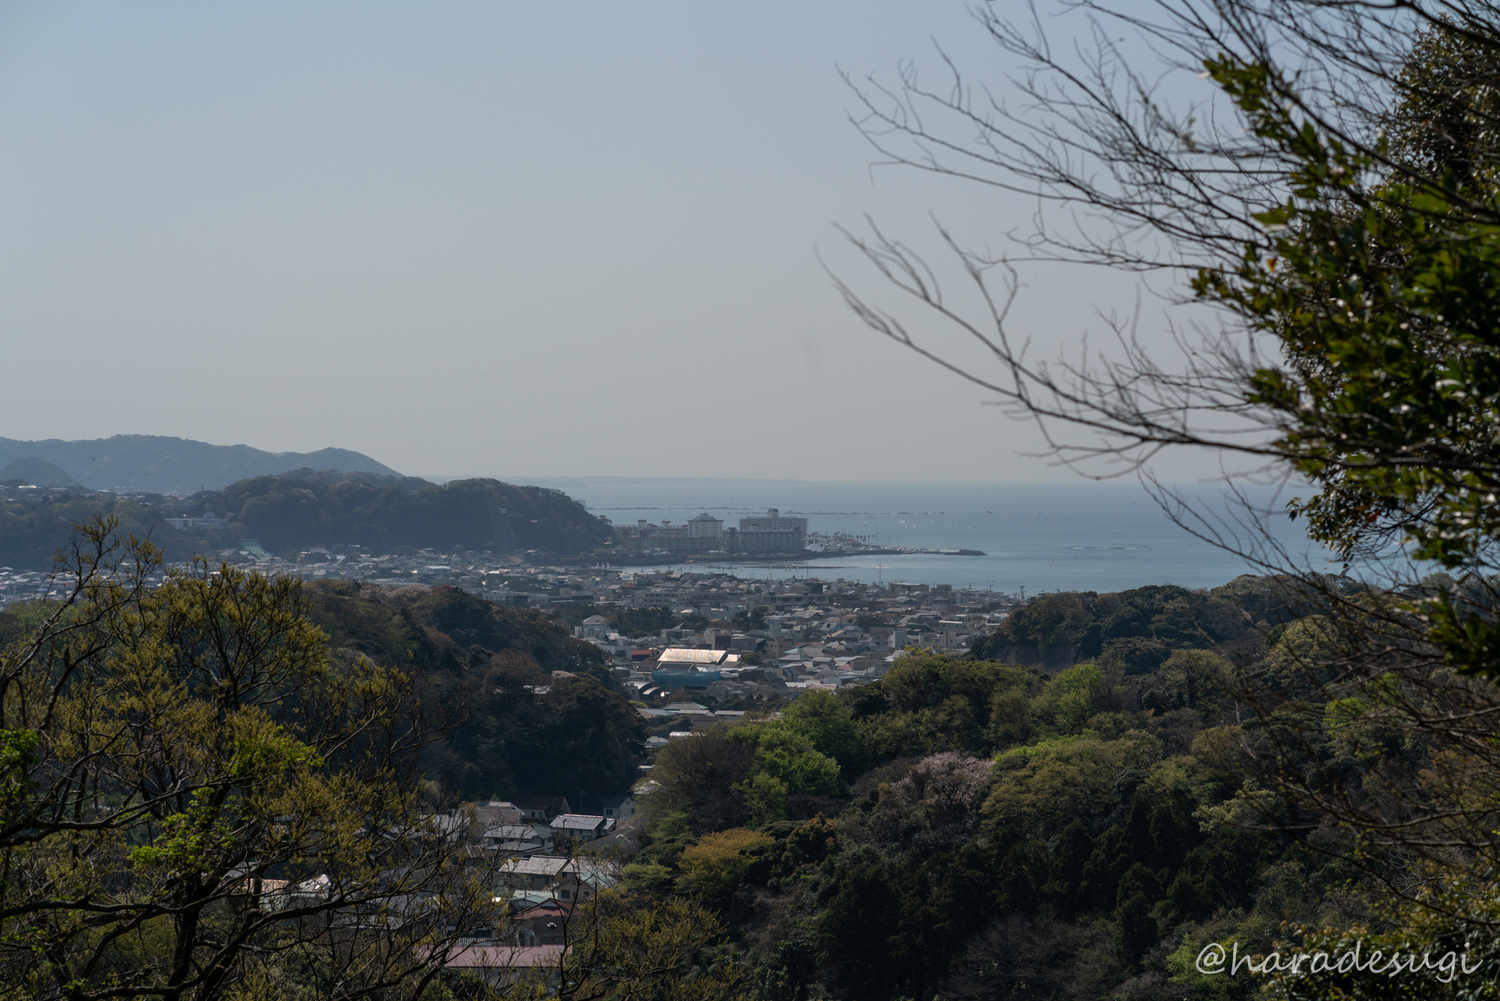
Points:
(789, 976)
(575, 737)
(296, 510)
(698, 779)
(941, 704)
(526, 729)
(808, 843)
(1049, 621)
(665, 850)
(1224, 867)
(1070, 853)
(648, 621)
(755, 618)
(864, 700)
(946, 866)
(293, 511)
(1037, 957)
(22, 619)
(430, 626)
(1173, 833)
(1137, 629)
(859, 917)
(34, 529)
(1265, 598)
(1137, 929)
(1185, 901)
(1135, 654)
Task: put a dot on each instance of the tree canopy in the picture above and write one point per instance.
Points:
(192, 792)
(296, 510)
(543, 713)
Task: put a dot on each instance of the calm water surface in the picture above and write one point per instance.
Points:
(1040, 537)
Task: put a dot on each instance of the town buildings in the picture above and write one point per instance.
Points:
(766, 534)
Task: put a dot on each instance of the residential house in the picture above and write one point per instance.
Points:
(503, 965)
(569, 828)
(540, 809)
(539, 877)
(537, 873)
(545, 923)
(619, 808)
(497, 812)
(594, 627)
(519, 839)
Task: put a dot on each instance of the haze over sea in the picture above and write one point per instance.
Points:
(1082, 536)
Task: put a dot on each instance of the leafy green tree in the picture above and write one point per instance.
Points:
(535, 732)
(1137, 928)
(785, 754)
(828, 725)
(765, 797)
(1334, 203)
(1135, 654)
(859, 923)
(191, 788)
(528, 729)
(1050, 621)
(950, 697)
(1070, 700)
(1045, 786)
(719, 863)
(695, 778)
(1196, 676)
(755, 618)
(646, 621)
(810, 843)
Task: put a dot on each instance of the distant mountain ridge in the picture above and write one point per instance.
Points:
(160, 464)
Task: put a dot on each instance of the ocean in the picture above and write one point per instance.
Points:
(1083, 536)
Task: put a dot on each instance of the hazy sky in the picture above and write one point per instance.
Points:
(484, 238)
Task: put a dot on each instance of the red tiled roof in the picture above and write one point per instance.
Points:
(494, 957)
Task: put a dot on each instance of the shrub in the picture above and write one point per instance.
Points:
(720, 862)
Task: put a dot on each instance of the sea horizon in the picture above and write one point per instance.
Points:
(1035, 537)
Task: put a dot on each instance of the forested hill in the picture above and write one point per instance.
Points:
(534, 711)
(159, 464)
(1138, 629)
(964, 828)
(304, 508)
(34, 528)
(524, 729)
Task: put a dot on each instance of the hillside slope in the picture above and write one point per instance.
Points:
(158, 464)
(305, 508)
(36, 472)
(523, 728)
